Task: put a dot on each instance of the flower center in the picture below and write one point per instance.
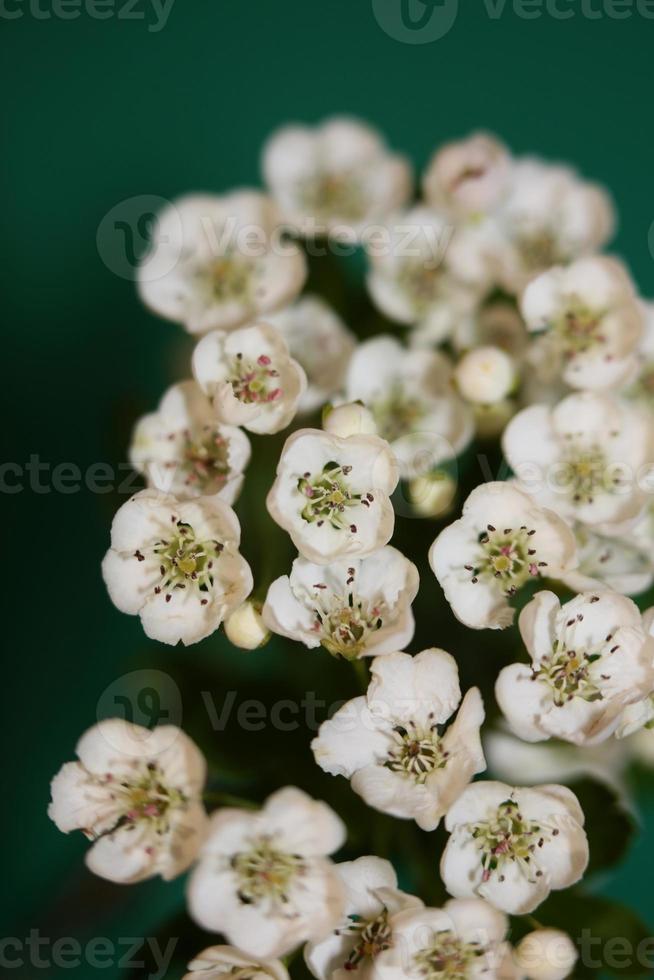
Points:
(265, 873)
(422, 281)
(569, 671)
(508, 556)
(509, 838)
(206, 462)
(145, 799)
(578, 330)
(334, 195)
(227, 277)
(373, 936)
(447, 958)
(585, 472)
(416, 752)
(328, 497)
(398, 414)
(254, 382)
(184, 562)
(539, 249)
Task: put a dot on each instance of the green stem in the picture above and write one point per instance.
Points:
(228, 799)
(360, 668)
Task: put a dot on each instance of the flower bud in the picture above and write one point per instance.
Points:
(353, 419)
(432, 495)
(546, 954)
(245, 627)
(485, 375)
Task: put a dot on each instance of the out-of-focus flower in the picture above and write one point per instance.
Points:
(264, 879)
(497, 324)
(463, 940)
(622, 561)
(591, 319)
(513, 846)
(217, 262)
(412, 399)
(390, 744)
(432, 495)
(427, 273)
(485, 375)
(640, 715)
(355, 608)
(182, 450)
(350, 419)
(590, 658)
(502, 540)
(333, 495)
(334, 178)
(250, 377)
(321, 344)
(137, 795)
(468, 177)
(549, 217)
(640, 385)
(546, 954)
(220, 962)
(586, 458)
(245, 627)
(176, 564)
(372, 898)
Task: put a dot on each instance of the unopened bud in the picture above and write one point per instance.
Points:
(245, 627)
(485, 375)
(432, 495)
(546, 954)
(353, 419)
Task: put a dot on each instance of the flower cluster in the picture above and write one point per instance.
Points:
(493, 319)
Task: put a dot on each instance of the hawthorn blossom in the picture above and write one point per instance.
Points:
(590, 320)
(428, 274)
(250, 377)
(181, 449)
(391, 744)
(321, 344)
(372, 899)
(587, 458)
(464, 940)
(512, 846)
(176, 564)
(549, 217)
(622, 561)
(355, 608)
(332, 495)
(469, 176)
(217, 262)
(502, 540)
(220, 962)
(334, 178)
(264, 879)
(412, 399)
(590, 658)
(137, 795)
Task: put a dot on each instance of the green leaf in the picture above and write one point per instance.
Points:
(609, 826)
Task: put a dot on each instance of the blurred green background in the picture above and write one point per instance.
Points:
(98, 111)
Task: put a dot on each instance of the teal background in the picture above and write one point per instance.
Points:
(98, 111)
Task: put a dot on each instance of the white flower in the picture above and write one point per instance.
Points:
(485, 375)
(591, 318)
(501, 541)
(389, 745)
(250, 377)
(497, 324)
(546, 954)
(221, 962)
(465, 940)
(620, 561)
(432, 495)
(640, 715)
(217, 262)
(349, 419)
(586, 458)
(427, 273)
(137, 794)
(468, 177)
(182, 450)
(335, 178)
(549, 217)
(372, 898)
(176, 564)
(512, 846)
(264, 879)
(411, 397)
(333, 495)
(640, 386)
(245, 627)
(321, 344)
(590, 658)
(355, 608)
